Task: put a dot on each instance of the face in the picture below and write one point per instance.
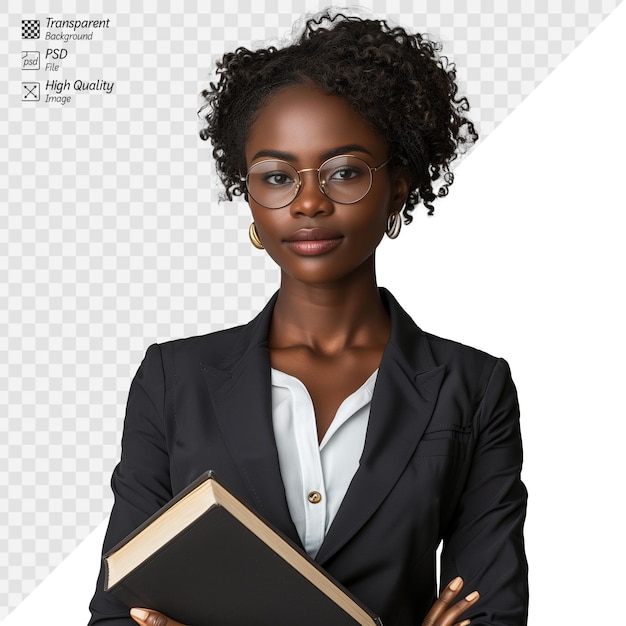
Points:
(314, 239)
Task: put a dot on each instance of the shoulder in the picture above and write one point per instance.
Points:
(458, 356)
(185, 358)
(209, 349)
(223, 347)
(424, 351)
(475, 379)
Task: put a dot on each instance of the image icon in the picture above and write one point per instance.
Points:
(30, 92)
(30, 29)
(30, 59)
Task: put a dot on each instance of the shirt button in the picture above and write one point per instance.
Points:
(314, 497)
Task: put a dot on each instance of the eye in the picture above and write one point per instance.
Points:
(277, 178)
(345, 173)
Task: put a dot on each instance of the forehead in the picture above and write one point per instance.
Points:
(306, 122)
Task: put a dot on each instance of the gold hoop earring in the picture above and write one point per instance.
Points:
(254, 237)
(394, 224)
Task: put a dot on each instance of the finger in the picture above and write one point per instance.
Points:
(146, 617)
(454, 612)
(443, 602)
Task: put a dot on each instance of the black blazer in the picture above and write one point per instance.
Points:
(441, 461)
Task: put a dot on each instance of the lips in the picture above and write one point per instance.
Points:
(313, 241)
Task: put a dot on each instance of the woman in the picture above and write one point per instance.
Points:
(355, 433)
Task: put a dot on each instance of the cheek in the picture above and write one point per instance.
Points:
(269, 224)
(372, 217)
(369, 228)
(260, 215)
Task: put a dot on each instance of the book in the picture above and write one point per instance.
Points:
(206, 558)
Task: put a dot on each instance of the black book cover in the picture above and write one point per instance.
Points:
(217, 571)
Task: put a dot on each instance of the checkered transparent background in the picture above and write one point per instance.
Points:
(112, 237)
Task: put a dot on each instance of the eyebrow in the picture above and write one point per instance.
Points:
(288, 156)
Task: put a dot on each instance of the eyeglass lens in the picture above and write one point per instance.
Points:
(274, 183)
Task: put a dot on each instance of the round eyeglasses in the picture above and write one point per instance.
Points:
(345, 179)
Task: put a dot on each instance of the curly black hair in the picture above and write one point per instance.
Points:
(398, 82)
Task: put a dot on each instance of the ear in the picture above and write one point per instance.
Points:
(400, 186)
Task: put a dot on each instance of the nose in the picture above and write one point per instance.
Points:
(311, 200)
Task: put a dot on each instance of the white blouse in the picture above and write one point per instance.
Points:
(316, 476)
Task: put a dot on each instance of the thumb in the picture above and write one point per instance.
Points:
(146, 617)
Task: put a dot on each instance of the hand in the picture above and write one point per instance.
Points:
(146, 617)
(443, 612)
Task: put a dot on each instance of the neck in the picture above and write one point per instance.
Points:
(329, 318)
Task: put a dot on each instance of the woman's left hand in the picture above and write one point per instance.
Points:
(146, 617)
(443, 612)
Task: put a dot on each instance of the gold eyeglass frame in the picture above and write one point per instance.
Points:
(321, 183)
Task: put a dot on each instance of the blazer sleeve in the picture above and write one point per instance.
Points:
(141, 480)
(484, 544)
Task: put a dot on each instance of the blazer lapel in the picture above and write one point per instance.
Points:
(240, 389)
(404, 398)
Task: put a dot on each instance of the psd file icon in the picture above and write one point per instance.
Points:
(30, 92)
(30, 29)
(30, 59)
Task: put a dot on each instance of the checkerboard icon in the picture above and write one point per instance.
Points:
(30, 29)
